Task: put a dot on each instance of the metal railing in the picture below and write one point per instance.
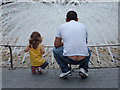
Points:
(51, 46)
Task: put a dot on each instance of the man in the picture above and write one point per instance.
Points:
(71, 46)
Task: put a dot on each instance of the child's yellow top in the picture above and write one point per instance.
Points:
(36, 56)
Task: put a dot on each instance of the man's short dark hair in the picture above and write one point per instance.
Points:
(71, 15)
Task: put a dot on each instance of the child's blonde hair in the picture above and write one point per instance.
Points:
(35, 40)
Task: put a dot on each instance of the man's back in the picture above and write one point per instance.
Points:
(74, 36)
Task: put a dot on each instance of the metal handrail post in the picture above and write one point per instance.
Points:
(11, 61)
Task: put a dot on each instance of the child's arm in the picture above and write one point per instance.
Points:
(26, 48)
(42, 49)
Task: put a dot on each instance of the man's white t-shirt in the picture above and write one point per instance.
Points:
(74, 36)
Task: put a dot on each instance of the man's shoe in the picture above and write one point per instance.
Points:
(64, 75)
(83, 73)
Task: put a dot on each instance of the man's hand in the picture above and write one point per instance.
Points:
(58, 42)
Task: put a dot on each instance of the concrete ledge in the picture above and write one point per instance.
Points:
(23, 78)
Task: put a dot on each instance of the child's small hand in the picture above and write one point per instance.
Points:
(42, 49)
(26, 48)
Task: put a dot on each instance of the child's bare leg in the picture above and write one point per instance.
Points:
(33, 70)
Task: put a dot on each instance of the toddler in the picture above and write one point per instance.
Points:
(36, 50)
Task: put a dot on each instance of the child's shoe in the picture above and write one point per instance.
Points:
(39, 69)
(33, 70)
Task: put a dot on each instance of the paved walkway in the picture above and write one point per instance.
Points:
(22, 78)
